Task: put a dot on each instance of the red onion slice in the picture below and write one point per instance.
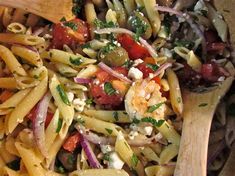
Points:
(39, 123)
(162, 68)
(113, 73)
(190, 21)
(150, 49)
(38, 31)
(82, 80)
(94, 163)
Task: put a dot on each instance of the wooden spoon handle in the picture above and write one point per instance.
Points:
(194, 142)
(52, 10)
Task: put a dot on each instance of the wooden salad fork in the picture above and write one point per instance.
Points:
(199, 109)
(52, 10)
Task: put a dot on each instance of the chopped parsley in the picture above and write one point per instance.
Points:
(115, 115)
(80, 121)
(202, 105)
(109, 47)
(154, 107)
(109, 130)
(154, 122)
(63, 19)
(86, 45)
(70, 159)
(135, 121)
(59, 125)
(106, 157)
(108, 88)
(62, 94)
(89, 101)
(100, 24)
(134, 160)
(76, 10)
(75, 61)
(167, 24)
(154, 67)
(71, 25)
(140, 26)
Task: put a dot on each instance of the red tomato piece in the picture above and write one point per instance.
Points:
(70, 33)
(217, 47)
(72, 142)
(145, 69)
(134, 49)
(157, 80)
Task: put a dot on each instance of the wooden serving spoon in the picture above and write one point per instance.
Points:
(52, 10)
(198, 113)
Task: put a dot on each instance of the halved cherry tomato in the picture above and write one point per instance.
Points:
(157, 80)
(72, 142)
(6, 94)
(145, 69)
(32, 114)
(134, 49)
(70, 33)
(98, 93)
(149, 60)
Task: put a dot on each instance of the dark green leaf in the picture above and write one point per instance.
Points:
(136, 121)
(75, 61)
(106, 157)
(154, 122)
(153, 66)
(62, 94)
(63, 19)
(89, 101)
(109, 130)
(100, 24)
(115, 115)
(108, 88)
(202, 105)
(86, 45)
(134, 160)
(109, 47)
(59, 125)
(76, 10)
(231, 109)
(154, 107)
(71, 25)
(14, 165)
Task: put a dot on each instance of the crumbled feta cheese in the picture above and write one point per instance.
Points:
(115, 161)
(96, 82)
(106, 148)
(135, 73)
(137, 62)
(151, 75)
(221, 78)
(158, 137)
(70, 96)
(79, 104)
(147, 130)
(133, 134)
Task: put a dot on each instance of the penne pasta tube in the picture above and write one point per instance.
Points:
(10, 60)
(16, 28)
(168, 153)
(99, 126)
(129, 6)
(21, 39)
(8, 83)
(27, 54)
(175, 92)
(160, 170)
(99, 172)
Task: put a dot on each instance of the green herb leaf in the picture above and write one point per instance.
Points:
(154, 107)
(231, 109)
(108, 88)
(71, 25)
(100, 24)
(202, 105)
(60, 169)
(106, 157)
(115, 115)
(89, 101)
(184, 43)
(109, 130)
(134, 160)
(14, 165)
(153, 66)
(154, 122)
(62, 94)
(86, 45)
(75, 61)
(63, 19)
(59, 125)
(109, 47)
(80, 121)
(136, 121)
(76, 10)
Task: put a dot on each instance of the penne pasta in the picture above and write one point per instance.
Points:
(16, 28)
(8, 83)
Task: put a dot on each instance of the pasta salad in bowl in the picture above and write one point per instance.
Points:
(101, 94)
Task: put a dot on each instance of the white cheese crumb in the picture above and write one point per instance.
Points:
(135, 73)
(106, 148)
(70, 96)
(137, 62)
(115, 161)
(79, 104)
(133, 134)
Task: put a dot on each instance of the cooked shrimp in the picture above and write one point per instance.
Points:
(141, 99)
